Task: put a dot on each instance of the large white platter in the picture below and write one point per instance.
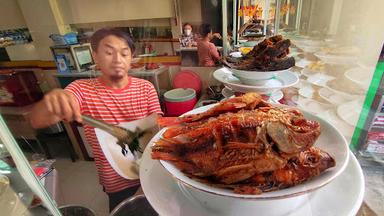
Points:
(330, 140)
(343, 196)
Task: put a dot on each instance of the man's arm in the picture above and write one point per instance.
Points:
(57, 105)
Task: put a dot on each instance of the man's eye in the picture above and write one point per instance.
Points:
(108, 53)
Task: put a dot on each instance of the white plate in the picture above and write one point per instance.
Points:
(282, 80)
(350, 111)
(312, 106)
(319, 79)
(227, 92)
(275, 96)
(256, 78)
(360, 75)
(125, 166)
(329, 134)
(302, 63)
(306, 90)
(335, 98)
(169, 199)
(331, 116)
(336, 59)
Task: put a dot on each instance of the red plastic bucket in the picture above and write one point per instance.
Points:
(179, 101)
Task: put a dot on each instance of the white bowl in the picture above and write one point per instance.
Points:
(330, 140)
(254, 78)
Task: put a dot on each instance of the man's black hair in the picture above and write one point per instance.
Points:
(105, 32)
(205, 29)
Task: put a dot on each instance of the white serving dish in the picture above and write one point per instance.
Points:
(255, 78)
(330, 140)
(282, 80)
(168, 197)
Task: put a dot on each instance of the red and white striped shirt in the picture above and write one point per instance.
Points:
(135, 101)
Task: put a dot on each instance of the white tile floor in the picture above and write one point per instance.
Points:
(79, 184)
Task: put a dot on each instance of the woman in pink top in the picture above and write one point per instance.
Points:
(206, 50)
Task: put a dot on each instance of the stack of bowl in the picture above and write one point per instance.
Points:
(254, 78)
(179, 101)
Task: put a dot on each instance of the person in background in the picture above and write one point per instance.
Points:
(113, 97)
(187, 39)
(206, 50)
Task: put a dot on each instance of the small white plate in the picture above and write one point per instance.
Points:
(336, 59)
(236, 54)
(282, 80)
(307, 91)
(335, 98)
(350, 111)
(302, 63)
(126, 166)
(331, 116)
(275, 96)
(227, 92)
(319, 79)
(360, 75)
(312, 106)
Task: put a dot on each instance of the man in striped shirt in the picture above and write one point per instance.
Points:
(114, 97)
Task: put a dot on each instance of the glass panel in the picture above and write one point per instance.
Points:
(22, 183)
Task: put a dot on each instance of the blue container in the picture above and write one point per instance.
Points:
(71, 38)
(67, 39)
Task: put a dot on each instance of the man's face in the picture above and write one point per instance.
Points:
(113, 57)
(187, 29)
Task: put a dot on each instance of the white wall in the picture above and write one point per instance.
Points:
(41, 23)
(10, 15)
(191, 11)
(20, 52)
(91, 11)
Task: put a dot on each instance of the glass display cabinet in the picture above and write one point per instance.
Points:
(336, 46)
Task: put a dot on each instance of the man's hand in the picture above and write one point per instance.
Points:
(63, 104)
(217, 35)
(57, 105)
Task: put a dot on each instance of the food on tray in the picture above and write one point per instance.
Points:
(151, 66)
(317, 66)
(268, 55)
(245, 144)
(245, 50)
(252, 27)
(136, 65)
